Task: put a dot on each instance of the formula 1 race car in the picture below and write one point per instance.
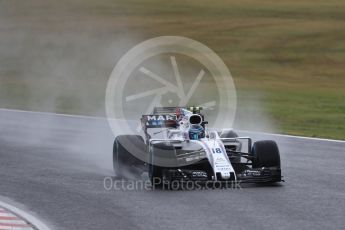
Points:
(178, 147)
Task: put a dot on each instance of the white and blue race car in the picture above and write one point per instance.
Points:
(177, 147)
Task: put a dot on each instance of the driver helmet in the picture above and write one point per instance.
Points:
(196, 132)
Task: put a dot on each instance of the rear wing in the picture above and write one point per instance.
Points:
(159, 121)
(165, 117)
(164, 110)
(174, 110)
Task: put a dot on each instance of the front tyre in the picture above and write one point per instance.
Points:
(266, 155)
(157, 156)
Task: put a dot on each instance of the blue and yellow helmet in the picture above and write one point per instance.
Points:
(196, 132)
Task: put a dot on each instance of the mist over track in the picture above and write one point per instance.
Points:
(55, 166)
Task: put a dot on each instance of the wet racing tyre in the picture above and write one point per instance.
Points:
(266, 154)
(123, 161)
(154, 169)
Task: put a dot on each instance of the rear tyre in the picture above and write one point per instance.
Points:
(228, 134)
(123, 161)
(232, 134)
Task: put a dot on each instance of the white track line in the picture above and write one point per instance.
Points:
(23, 219)
(52, 114)
(104, 118)
(291, 136)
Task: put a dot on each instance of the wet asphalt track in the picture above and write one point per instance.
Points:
(55, 166)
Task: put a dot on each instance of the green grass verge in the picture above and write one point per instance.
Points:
(292, 52)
